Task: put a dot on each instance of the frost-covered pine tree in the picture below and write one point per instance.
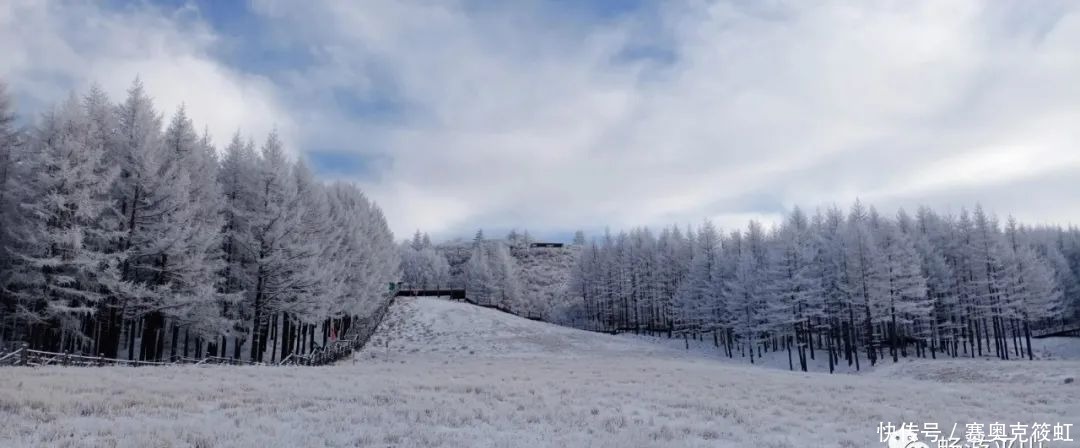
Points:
(579, 238)
(747, 291)
(417, 241)
(437, 267)
(583, 285)
(148, 195)
(990, 268)
(237, 178)
(866, 279)
(480, 281)
(425, 268)
(272, 223)
(1034, 292)
(908, 307)
(169, 213)
(795, 302)
(697, 301)
(506, 287)
(925, 231)
(667, 276)
(11, 217)
(376, 253)
(187, 244)
(65, 270)
(304, 301)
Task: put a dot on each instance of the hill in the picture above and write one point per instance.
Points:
(426, 326)
(544, 274)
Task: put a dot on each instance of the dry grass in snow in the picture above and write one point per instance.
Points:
(448, 374)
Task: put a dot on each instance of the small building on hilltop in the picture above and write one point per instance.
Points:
(550, 245)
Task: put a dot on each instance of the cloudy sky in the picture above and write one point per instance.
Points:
(555, 115)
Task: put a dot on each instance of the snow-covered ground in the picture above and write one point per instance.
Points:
(450, 374)
(434, 327)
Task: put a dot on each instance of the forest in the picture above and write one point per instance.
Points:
(855, 287)
(844, 286)
(124, 234)
(504, 273)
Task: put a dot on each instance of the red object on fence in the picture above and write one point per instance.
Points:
(333, 333)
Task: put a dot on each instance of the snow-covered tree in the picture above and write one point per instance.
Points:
(697, 303)
(867, 281)
(796, 302)
(424, 268)
(64, 270)
(480, 282)
(506, 288)
(908, 307)
(116, 234)
(11, 222)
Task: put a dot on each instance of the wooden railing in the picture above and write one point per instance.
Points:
(1064, 329)
(25, 356)
(354, 339)
(453, 293)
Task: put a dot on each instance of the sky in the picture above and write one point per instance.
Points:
(558, 115)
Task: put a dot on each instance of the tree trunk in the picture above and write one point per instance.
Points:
(256, 322)
(1027, 336)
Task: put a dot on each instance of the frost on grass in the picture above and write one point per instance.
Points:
(461, 376)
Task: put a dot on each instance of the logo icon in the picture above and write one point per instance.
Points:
(905, 438)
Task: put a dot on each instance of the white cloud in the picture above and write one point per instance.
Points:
(518, 115)
(762, 108)
(54, 47)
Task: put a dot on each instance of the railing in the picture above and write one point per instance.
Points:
(35, 358)
(489, 305)
(353, 340)
(453, 293)
(26, 356)
(10, 358)
(1061, 329)
(218, 360)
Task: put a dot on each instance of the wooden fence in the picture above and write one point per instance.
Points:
(354, 339)
(25, 356)
(1062, 329)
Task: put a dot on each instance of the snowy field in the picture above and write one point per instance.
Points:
(449, 374)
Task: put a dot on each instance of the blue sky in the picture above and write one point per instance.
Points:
(555, 115)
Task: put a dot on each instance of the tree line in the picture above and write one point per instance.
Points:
(422, 267)
(844, 286)
(492, 275)
(126, 236)
(490, 270)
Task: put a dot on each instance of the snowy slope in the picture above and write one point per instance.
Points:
(524, 384)
(436, 326)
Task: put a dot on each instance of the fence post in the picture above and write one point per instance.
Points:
(25, 354)
(67, 358)
(101, 360)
